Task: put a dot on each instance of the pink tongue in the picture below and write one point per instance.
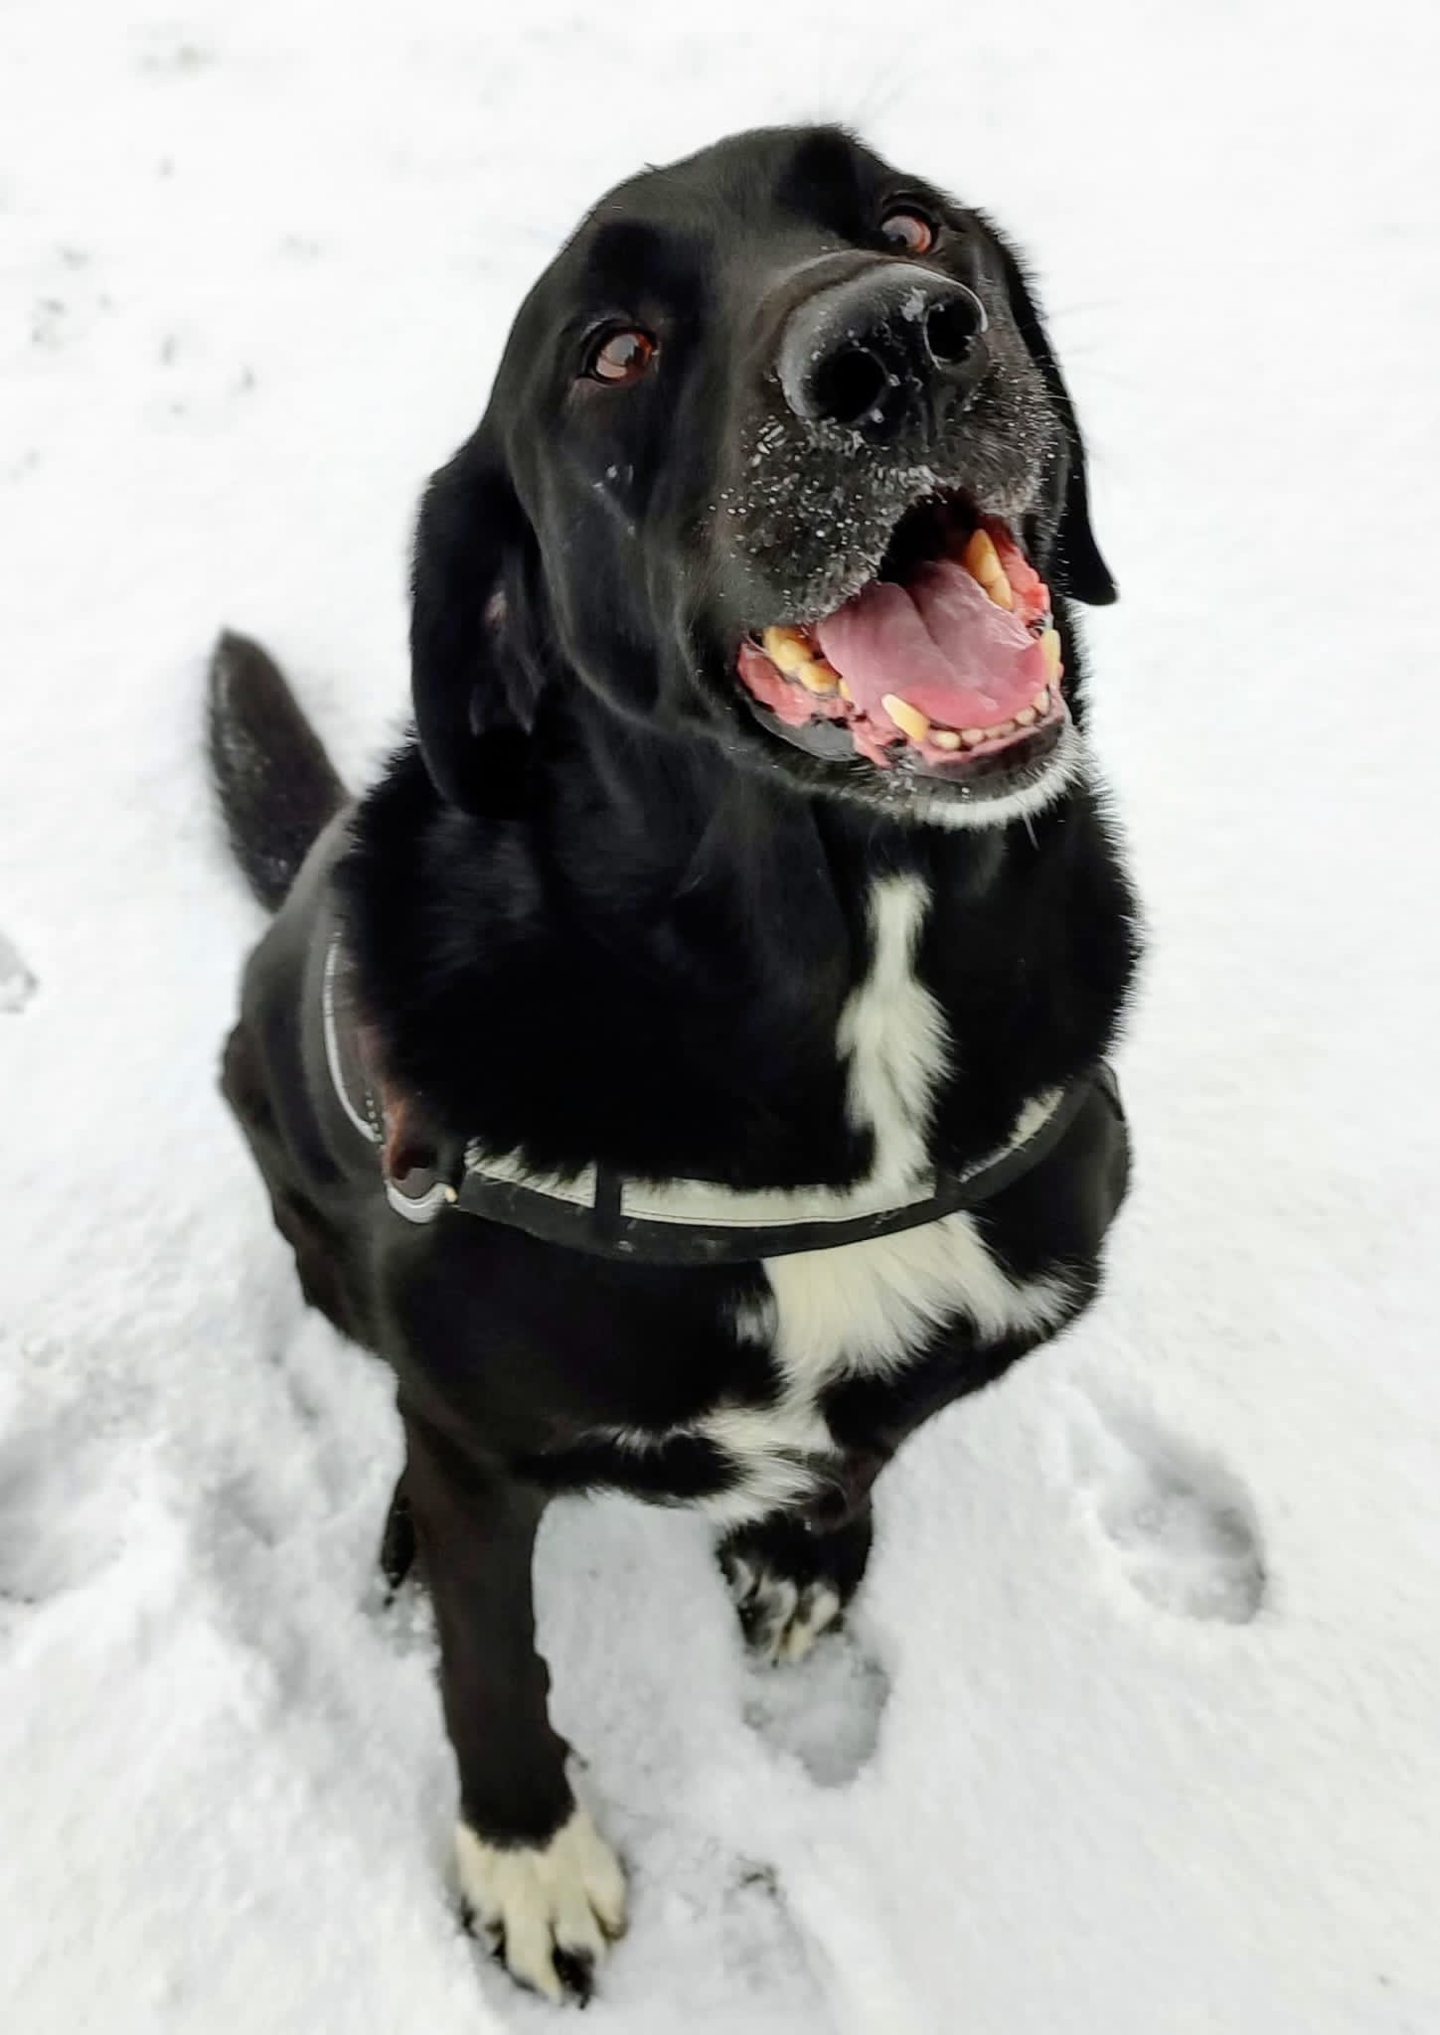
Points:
(940, 643)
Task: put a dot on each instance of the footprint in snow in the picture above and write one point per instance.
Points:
(824, 1710)
(1178, 1525)
(59, 1515)
(17, 984)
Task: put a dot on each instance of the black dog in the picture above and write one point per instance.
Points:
(722, 984)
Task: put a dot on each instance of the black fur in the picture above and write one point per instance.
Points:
(598, 913)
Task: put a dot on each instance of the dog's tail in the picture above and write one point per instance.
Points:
(276, 785)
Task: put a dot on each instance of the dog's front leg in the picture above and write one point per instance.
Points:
(534, 1871)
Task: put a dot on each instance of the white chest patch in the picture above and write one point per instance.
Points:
(869, 1308)
(866, 1308)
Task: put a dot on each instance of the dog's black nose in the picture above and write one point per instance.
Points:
(865, 353)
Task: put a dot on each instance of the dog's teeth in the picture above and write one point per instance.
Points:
(846, 694)
(982, 561)
(1001, 728)
(945, 738)
(909, 720)
(1042, 701)
(973, 737)
(1026, 718)
(980, 558)
(1050, 644)
(792, 653)
(787, 650)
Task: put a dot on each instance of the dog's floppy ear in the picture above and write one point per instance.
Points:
(473, 693)
(1079, 569)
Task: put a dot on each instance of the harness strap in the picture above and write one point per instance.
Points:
(677, 1222)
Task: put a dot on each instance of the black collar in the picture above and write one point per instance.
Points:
(675, 1222)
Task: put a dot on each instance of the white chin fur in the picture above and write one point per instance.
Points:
(564, 1896)
(1064, 767)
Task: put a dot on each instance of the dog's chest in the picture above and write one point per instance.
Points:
(876, 1308)
(873, 1310)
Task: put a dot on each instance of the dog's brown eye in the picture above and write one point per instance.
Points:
(909, 232)
(621, 357)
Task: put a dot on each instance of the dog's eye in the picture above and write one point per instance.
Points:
(908, 231)
(620, 357)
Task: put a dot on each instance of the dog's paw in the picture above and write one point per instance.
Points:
(781, 1619)
(790, 1583)
(548, 1911)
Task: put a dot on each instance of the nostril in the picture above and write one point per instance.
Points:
(952, 328)
(847, 385)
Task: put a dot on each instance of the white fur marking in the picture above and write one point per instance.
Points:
(1068, 766)
(566, 1895)
(862, 1309)
(869, 1307)
(769, 1446)
(893, 1034)
(866, 1307)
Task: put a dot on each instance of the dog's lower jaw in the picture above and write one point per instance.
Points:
(1066, 769)
(911, 801)
(959, 809)
(549, 1910)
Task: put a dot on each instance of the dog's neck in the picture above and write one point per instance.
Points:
(631, 816)
(651, 963)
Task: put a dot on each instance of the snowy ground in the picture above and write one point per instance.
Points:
(1136, 1731)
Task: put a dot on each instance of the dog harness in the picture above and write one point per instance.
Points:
(675, 1222)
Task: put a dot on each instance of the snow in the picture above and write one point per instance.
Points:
(1135, 1728)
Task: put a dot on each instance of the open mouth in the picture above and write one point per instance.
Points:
(946, 665)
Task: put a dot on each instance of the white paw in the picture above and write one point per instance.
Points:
(551, 1910)
(781, 1620)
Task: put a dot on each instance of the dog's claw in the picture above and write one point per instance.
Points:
(781, 1620)
(575, 1970)
(398, 1544)
(548, 1912)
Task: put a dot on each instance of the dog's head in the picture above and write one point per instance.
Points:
(779, 451)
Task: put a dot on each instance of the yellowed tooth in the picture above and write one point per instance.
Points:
(909, 720)
(846, 694)
(1026, 718)
(980, 558)
(945, 738)
(1001, 728)
(787, 649)
(982, 561)
(1050, 644)
(973, 737)
(818, 676)
(1042, 701)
